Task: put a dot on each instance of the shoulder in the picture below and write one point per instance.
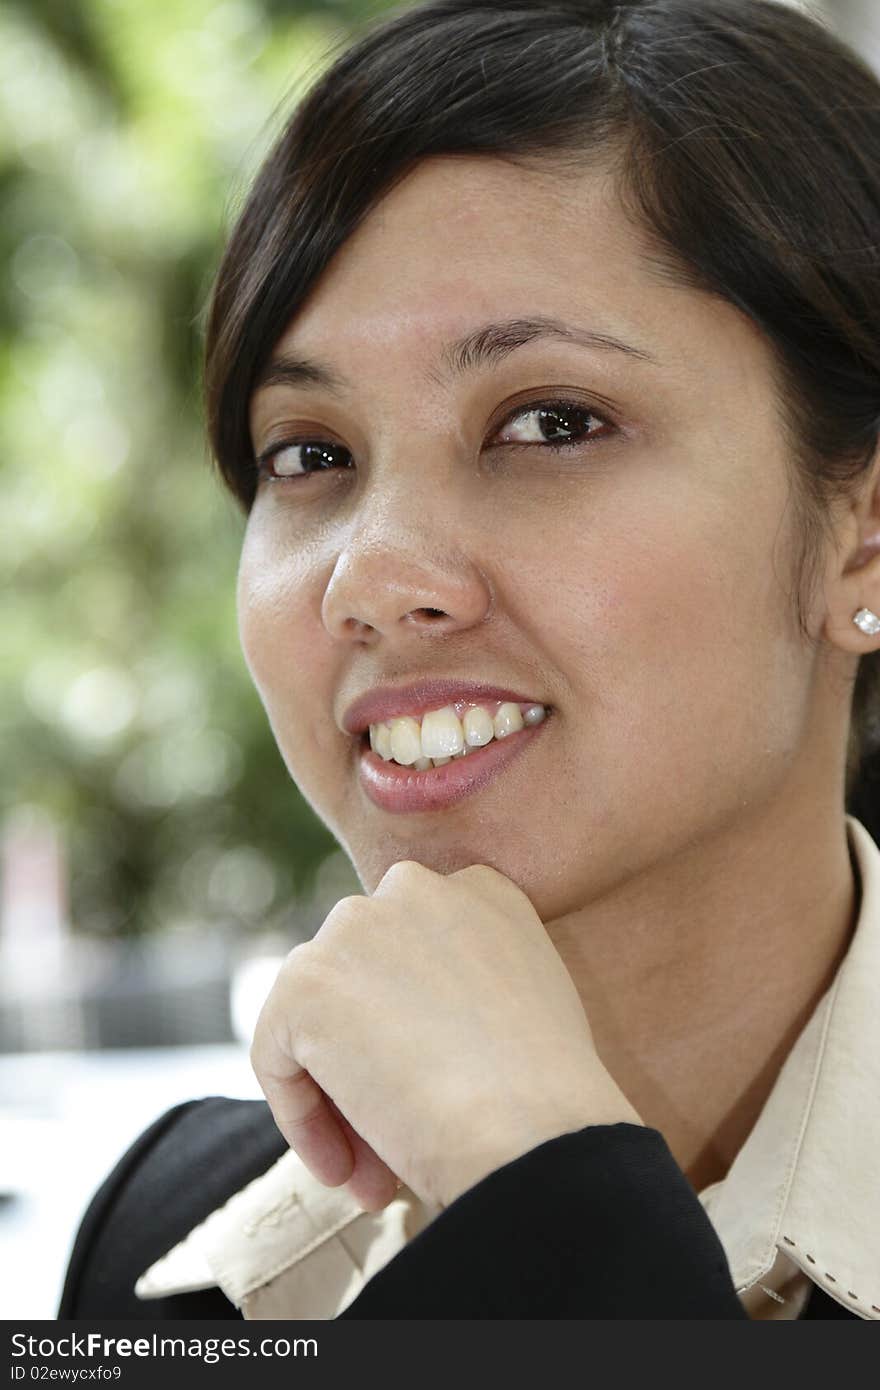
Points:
(187, 1163)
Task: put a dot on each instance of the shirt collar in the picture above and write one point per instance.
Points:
(804, 1183)
(800, 1198)
(287, 1246)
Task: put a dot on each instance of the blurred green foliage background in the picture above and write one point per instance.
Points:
(129, 130)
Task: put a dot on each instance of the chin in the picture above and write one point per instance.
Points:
(373, 863)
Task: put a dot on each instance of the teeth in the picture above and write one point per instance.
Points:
(478, 727)
(380, 740)
(406, 740)
(508, 720)
(442, 736)
(442, 733)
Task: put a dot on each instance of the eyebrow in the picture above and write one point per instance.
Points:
(483, 347)
(493, 342)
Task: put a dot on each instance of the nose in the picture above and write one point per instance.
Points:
(400, 575)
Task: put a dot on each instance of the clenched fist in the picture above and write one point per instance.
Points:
(428, 1034)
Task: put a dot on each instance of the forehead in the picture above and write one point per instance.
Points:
(465, 240)
(459, 234)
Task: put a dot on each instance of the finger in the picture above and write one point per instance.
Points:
(301, 1111)
(487, 879)
(373, 1184)
(493, 885)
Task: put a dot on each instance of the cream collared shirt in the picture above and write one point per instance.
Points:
(799, 1206)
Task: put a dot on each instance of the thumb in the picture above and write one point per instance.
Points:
(372, 1182)
(301, 1110)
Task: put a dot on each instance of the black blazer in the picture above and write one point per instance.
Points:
(612, 1229)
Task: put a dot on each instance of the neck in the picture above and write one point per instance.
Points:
(698, 975)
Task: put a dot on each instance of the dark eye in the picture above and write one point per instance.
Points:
(557, 423)
(299, 458)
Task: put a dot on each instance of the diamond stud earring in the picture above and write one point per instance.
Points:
(867, 621)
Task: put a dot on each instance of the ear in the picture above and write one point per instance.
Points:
(856, 587)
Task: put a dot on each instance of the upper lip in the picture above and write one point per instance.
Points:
(386, 701)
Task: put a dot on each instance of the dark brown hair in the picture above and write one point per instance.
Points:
(747, 142)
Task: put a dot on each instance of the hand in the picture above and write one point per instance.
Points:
(430, 1033)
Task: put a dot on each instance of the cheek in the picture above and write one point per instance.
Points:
(280, 647)
(271, 614)
(702, 672)
(677, 589)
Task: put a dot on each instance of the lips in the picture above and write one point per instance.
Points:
(400, 790)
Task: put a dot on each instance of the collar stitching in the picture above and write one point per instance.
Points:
(258, 1279)
(830, 1292)
(785, 1188)
(788, 1179)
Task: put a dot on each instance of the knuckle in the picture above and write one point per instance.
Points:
(493, 886)
(298, 955)
(349, 903)
(406, 868)
(343, 911)
(342, 925)
(479, 875)
(298, 961)
(405, 874)
(298, 983)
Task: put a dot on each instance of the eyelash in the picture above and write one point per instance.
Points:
(560, 407)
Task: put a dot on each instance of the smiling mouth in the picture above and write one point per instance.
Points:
(452, 732)
(400, 788)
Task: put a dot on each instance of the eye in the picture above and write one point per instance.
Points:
(555, 424)
(299, 458)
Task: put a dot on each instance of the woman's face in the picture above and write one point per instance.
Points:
(638, 582)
